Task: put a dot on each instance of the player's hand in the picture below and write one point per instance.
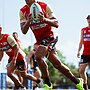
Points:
(41, 16)
(29, 17)
(78, 54)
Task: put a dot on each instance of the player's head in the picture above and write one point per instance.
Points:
(0, 29)
(29, 2)
(88, 19)
(15, 35)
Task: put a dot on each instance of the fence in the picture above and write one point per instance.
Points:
(3, 81)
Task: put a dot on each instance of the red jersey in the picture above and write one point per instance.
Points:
(6, 45)
(86, 40)
(40, 29)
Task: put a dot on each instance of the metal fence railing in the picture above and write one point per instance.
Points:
(3, 81)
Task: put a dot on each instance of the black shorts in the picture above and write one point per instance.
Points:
(34, 63)
(50, 42)
(85, 59)
(20, 65)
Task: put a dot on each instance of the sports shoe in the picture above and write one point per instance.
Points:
(80, 85)
(46, 87)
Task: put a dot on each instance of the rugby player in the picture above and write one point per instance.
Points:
(34, 65)
(16, 59)
(85, 57)
(45, 39)
(15, 35)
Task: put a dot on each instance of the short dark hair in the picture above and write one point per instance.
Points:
(88, 17)
(15, 33)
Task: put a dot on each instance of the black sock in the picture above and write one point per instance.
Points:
(47, 81)
(85, 86)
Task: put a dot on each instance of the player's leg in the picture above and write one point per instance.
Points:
(83, 75)
(83, 64)
(19, 76)
(10, 73)
(24, 74)
(23, 71)
(37, 75)
(40, 53)
(37, 72)
(53, 58)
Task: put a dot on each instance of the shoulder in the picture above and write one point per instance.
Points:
(42, 4)
(6, 35)
(24, 8)
(85, 28)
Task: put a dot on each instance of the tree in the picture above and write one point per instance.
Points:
(27, 50)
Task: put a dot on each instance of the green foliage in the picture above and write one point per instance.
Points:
(27, 50)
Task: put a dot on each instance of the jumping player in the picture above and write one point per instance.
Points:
(85, 57)
(45, 39)
(16, 59)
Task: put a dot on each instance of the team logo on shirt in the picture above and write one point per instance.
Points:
(84, 31)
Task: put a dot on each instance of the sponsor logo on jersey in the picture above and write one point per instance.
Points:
(38, 26)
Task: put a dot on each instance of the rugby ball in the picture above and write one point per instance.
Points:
(35, 9)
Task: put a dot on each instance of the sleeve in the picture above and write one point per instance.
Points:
(22, 17)
(49, 12)
(11, 41)
(83, 30)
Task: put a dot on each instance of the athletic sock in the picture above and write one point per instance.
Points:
(47, 81)
(85, 86)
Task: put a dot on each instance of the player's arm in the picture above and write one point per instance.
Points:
(14, 45)
(24, 23)
(80, 44)
(1, 55)
(31, 54)
(51, 19)
(19, 44)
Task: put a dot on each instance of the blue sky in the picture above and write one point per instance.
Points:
(71, 15)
